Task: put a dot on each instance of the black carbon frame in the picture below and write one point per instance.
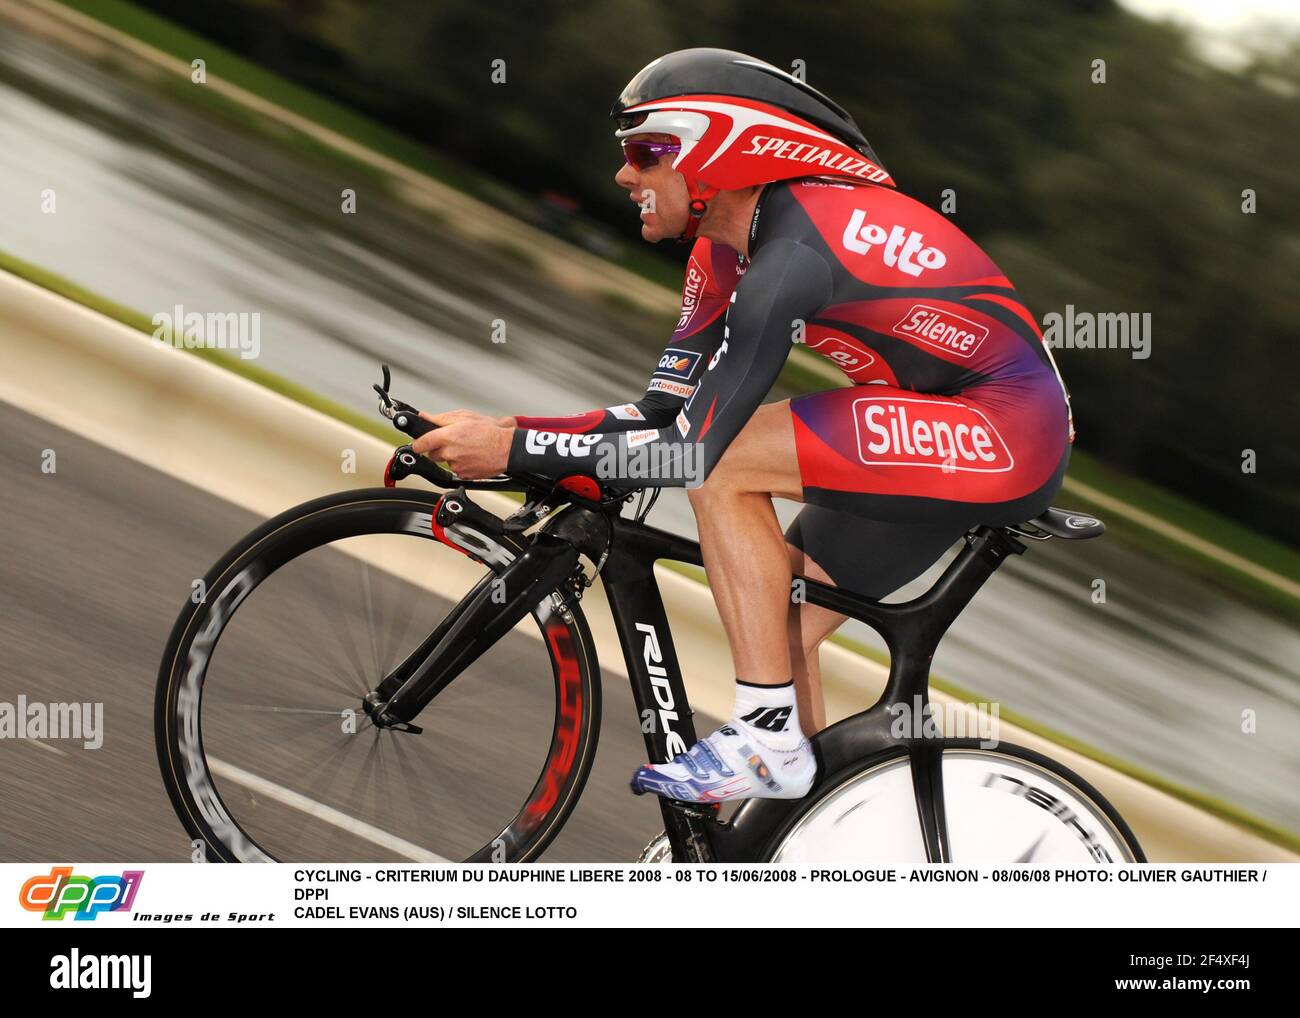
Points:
(911, 631)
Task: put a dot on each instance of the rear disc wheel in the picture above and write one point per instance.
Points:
(1001, 806)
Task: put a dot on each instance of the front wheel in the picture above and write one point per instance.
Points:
(263, 738)
(1002, 805)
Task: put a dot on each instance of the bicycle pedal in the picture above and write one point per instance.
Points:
(697, 810)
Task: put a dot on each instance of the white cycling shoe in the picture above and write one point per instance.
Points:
(735, 762)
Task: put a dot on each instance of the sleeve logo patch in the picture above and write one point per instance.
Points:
(677, 363)
(565, 444)
(672, 388)
(626, 412)
(691, 291)
(942, 330)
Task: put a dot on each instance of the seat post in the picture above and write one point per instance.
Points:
(919, 625)
(986, 549)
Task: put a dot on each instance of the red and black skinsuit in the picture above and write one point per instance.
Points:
(956, 414)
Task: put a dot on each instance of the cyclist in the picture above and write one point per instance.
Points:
(955, 414)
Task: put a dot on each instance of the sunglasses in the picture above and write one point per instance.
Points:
(641, 155)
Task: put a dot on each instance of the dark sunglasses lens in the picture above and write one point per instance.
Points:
(639, 154)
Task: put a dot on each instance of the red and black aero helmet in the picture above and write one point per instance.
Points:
(742, 122)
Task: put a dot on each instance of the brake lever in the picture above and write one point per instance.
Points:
(405, 461)
(405, 417)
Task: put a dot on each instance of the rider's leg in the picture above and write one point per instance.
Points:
(813, 451)
(742, 544)
(775, 649)
(807, 626)
(761, 751)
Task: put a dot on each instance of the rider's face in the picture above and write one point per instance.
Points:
(660, 191)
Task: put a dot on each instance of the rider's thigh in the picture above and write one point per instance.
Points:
(762, 458)
(869, 557)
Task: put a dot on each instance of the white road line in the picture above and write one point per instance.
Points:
(319, 811)
(42, 745)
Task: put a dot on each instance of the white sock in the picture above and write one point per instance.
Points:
(771, 711)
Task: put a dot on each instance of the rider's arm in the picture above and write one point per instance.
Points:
(786, 283)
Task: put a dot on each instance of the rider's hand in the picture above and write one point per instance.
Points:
(448, 416)
(473, 445)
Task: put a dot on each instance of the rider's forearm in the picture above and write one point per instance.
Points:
(602, 443)
(672, 382)
(653, 410)
(647, 457)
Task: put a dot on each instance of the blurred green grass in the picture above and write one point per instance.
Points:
(179, 42)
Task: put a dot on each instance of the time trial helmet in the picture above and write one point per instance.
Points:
(741, 122)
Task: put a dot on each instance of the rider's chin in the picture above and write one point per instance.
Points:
(654, 229)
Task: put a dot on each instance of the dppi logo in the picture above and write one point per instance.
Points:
(905, 250)
(59, 892)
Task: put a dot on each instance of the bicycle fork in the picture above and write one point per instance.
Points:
(487, 613)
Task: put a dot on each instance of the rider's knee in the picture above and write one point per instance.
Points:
(717, 485)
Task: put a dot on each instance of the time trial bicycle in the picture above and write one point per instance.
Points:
(322, 698)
